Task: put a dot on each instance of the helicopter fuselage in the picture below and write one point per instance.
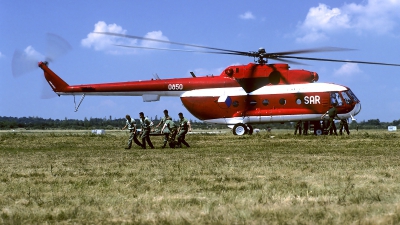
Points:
(247, 94)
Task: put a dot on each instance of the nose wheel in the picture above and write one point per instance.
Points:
(242, 129)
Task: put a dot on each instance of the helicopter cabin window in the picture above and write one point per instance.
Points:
(298, 101)
(265, 102)
(347, 98)
(235, 103)
(336, 99)
(237, 70)
(353, 96)
(282, 101)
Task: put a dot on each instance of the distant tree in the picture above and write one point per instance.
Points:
(374, 122)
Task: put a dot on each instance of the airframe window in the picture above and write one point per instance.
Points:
(282, 101)
(347, 98)
(265, 102)
(235, 103)
(353, 95)
(336, 99)
(298, 101)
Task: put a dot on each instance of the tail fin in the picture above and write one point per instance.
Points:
(55, 82)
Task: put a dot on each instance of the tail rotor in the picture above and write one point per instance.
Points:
(26, 61)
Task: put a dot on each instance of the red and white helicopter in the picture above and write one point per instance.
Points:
(242, 95)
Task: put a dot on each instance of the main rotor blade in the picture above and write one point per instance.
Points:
(169, 42)
(288, 61)
(301, 51)
(171, 49)
(339, 60)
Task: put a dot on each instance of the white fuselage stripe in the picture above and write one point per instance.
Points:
(275, 89)
(127, 93)
(279, 118)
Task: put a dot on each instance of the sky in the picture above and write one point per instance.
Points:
(372, 27)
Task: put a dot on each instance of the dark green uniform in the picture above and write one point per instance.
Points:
(169, 132)
(298, 127)
(306, 125)
(133, 134)
(145, 133)
(345, 125)
(332, 113)
(183, 129)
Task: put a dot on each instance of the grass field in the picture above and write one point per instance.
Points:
(267, 178)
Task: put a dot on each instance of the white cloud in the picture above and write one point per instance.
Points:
(347, 70)
(377, 16)
(32, 53)
(106, 43)
(312, 37)
(1, 55)
(154, 35)
(247, 16)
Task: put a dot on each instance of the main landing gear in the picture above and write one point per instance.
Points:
(242, 129)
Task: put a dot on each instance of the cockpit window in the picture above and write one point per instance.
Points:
(347, 98)
(336, 99)
(353, 95)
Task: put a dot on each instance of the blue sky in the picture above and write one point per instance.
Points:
(371, 26)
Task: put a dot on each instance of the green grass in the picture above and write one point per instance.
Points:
(222, 179)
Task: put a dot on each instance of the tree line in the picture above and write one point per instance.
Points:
(33, 123)
(109, 124)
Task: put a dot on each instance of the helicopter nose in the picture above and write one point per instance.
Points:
(357, 109)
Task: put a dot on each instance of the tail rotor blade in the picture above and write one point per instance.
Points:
(22, 63)
(47, 92)
(56, 46)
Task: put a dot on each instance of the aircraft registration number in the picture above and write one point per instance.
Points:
(175, 87)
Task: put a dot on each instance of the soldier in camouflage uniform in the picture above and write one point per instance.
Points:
(162, 120)
(145, 132)
(332, 112)
(184, 127)
(131, 125)
(298, 127)
(169, 130)
(345, 125)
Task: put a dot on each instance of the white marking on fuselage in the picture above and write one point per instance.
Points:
(312, 100)
(267, 90)
(279, 118)
(127, 93)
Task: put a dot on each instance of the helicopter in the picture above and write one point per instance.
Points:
(242, 95)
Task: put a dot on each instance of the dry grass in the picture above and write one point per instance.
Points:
(222, 179)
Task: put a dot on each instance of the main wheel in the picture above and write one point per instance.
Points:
(239, 129)
(318, 132)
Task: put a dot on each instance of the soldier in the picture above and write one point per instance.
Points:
(169, 130)
(184, 127)
(345, 125)
(306, 125)
(145, 132)
(298, 127)
(332, 112)
(162, 120)
(131, 125)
